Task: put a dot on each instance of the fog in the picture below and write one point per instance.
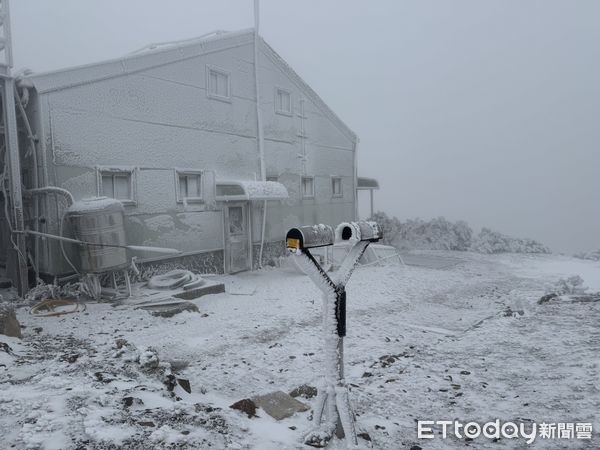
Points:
(482, 111)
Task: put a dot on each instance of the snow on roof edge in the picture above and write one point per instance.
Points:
(38, 77)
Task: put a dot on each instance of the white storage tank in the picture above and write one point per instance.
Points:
(99, 220)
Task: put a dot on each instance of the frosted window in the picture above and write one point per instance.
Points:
(107, 186)
(122, 187)
(236, 220)
(190, 186)
(218, 83)
(308, 187)
(224, 190)
(117, 185)
(336, 186)
(283, 102)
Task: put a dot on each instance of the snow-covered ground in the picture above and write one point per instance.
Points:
(465, 341)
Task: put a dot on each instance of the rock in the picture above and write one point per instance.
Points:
(170, 309)
(364, 436)
(416, 447)
(130, 401)
(305, 391)
(246, 406)
(465, 372)
(5, 283)
(547, 298)
(279, 405)
(149, 359)
(69, 357)
(9, 325)
(185, 385)
(6, 348)
(170, 382)
(178, 365)
(146, 424)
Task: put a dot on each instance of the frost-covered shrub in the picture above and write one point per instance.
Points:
(568, 286)
(390, 226)
(489, 241)
(593, 256)
(436, 234)
(441, 234)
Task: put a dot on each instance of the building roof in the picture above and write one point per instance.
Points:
(161, 54)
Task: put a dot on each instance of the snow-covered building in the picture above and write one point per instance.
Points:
(171, 131)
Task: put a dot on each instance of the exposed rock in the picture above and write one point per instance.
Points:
(364, 436)
(546, 298)
(9, 325)
(170, 309)
(279, 405)
(146, 424)
(185, 385)
(6, 348)
(305, 391)
(246, 406)
(130, 401)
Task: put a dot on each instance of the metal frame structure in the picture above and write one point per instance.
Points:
(332, 398)
(12, 156)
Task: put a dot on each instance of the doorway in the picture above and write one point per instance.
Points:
(237, 242)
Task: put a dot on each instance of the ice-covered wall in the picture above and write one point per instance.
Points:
(155, 117)
(328, 150)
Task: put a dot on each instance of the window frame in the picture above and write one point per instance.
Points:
(312, 179)
(130, 172)
(188, 173)
(333, 180)
(278, 110)
(219, 71)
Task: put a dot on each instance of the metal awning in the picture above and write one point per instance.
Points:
(367, 183)
(250, 190)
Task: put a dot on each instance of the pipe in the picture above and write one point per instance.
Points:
(52, 190)
(36, 206)
(259, 128)
(138, 248)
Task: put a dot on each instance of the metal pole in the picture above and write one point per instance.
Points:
(14, 161)
(259, 129)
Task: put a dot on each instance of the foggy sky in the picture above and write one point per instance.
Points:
(486, 111)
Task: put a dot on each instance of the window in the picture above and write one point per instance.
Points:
(336, 187)
(283, 101)
(218, 84)
(189, 186)
(236, 220)
(274, 178)
(308, 187)
(117, 184)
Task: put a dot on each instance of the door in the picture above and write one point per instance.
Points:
(237, 254)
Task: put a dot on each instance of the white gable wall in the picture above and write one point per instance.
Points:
(157, 119)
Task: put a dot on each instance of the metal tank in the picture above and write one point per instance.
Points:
(99, 220)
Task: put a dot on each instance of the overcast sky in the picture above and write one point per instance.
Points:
(487, 111)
